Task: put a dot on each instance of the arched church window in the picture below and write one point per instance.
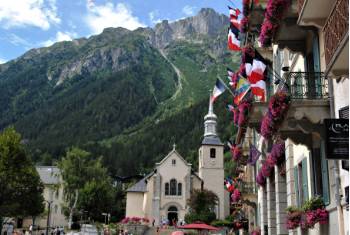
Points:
(212, 153)
(179, 189)
(166, 188)
(173, 187)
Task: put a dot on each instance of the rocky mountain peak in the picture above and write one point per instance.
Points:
(207, 23)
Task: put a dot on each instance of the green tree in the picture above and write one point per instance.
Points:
(20, 186)
(97, 197)
(202, 205)
(82, 177)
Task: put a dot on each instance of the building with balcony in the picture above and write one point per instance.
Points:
(309, 53)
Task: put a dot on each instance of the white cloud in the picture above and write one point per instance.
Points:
(153, 17)
(21, 13)
(188, 10)
(60, 36)
(18, 41)
(108, 15)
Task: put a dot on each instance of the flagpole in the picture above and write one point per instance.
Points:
(226, 86)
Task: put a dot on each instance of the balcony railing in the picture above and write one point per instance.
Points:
(307, 85)
(336, 28)
(248, 188)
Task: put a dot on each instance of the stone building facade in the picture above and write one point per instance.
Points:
(310, 56)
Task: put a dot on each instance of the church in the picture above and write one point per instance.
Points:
(162, 194)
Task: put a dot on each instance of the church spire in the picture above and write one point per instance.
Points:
(210, 121)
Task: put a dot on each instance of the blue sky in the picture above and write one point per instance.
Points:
(26, 24)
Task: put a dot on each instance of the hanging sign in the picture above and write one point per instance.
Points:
(337, 138)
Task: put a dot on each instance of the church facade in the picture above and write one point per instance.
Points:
(163, 193)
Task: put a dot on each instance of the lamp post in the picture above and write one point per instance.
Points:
(48, 216)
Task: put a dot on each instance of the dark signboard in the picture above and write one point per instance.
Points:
(337, 138)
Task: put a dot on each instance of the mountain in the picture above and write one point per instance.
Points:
(106, 90)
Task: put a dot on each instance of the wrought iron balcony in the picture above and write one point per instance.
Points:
(307, 85)
(336, 34)
(248, 188)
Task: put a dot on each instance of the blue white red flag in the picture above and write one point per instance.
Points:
(219, 88)
(233, 38)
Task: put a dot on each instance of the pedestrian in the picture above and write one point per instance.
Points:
(158, 230)
(153, 221)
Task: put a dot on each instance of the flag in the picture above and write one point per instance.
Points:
(255, 74)
(243, 87)
(233, 40)
(230, 108)
(234, 13)
(259, 89)
(219, 88)
(232, 78)
(229, 184)
(254, 155)
(255, 71)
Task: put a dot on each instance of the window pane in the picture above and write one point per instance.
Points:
(166, 188)
(173, 187)
(179, 189)
(212, 153)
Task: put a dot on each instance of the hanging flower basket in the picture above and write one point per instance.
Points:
(244, 109)
(260, 179)
(294, 216)
(236, 195)
(256, 231)
(237, 153)
(273, 16)
(278, 107)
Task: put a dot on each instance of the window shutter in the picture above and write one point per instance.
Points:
(304, 181)
(325, 183)
(296, 185)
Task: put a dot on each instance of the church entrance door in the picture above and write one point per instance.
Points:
(172, 215)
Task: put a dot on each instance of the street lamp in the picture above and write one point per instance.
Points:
(48, 216)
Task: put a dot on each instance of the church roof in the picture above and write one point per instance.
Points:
(140, 186)
(211, 140)
(169, 154)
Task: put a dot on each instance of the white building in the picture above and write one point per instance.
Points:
(53, 192)
(163, 193)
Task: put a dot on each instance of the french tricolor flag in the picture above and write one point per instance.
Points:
(234, 13)
(233, 41)
(218, 90)
(255, 74)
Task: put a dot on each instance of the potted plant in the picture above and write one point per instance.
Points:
(294, 216)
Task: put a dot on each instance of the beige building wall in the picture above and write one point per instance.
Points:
(134, 203)
(212, 172)
(178, 171)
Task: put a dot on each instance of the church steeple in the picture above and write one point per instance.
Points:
(210, 121)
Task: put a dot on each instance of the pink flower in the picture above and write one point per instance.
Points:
(236, 195)
(260, 179)
(237, 153)
(244, 109)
